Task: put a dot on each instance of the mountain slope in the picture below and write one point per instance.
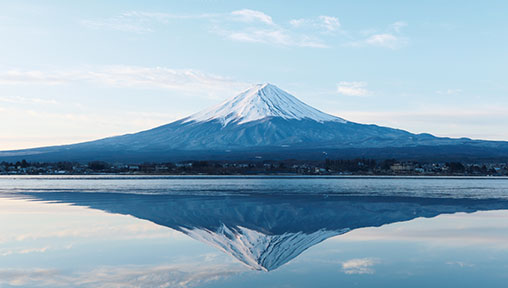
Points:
(263, 121)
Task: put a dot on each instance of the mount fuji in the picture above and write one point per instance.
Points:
(264, 122)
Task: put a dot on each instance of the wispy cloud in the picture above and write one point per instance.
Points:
(245, 25)
(26, 100)
(261, 28)
(118, 24)
(254, 26)
(353, 88)
(384, 40)
(460, 264)
(330, 23)
(391, 38)
(127, 76)
(277, 36)
(359, 266)
(14, 77)
(139, 21)
(449, 92)
(248, 15)
(397, 26)
(326, 23)
(23, 251)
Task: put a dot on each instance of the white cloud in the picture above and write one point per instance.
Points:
(261, 36)
(330, 23)
(384, 40)
(248, 15)
(352, 88)
(359, 266)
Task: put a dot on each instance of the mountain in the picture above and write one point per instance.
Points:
(265, 232)
(264, 122)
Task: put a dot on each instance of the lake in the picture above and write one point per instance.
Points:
(141, 231)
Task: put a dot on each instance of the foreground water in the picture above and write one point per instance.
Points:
(253, 231)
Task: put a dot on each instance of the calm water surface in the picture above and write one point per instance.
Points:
(114, 231)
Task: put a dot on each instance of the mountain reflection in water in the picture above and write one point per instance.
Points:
(266, 231)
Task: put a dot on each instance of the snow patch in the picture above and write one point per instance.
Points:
(259, 102)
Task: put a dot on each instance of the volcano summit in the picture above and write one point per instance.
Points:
(265, 122)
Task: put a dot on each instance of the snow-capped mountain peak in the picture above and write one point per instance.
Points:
(259, 102)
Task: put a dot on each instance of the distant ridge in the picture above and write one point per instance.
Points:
(265, 122)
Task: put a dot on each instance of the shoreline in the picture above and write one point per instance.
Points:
(258, 176)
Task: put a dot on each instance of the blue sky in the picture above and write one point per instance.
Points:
(71, 72)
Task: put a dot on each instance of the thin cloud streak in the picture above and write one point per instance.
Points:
(139, 21)
(273, 36)
(25, 100)
(357, 89)
(248, 15)
(326, 23)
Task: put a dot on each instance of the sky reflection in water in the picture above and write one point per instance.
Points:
(93, 239)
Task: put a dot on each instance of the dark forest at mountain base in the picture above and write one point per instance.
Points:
(360, 166)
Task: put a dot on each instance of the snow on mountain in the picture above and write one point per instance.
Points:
(257, 250)
(259, 102)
